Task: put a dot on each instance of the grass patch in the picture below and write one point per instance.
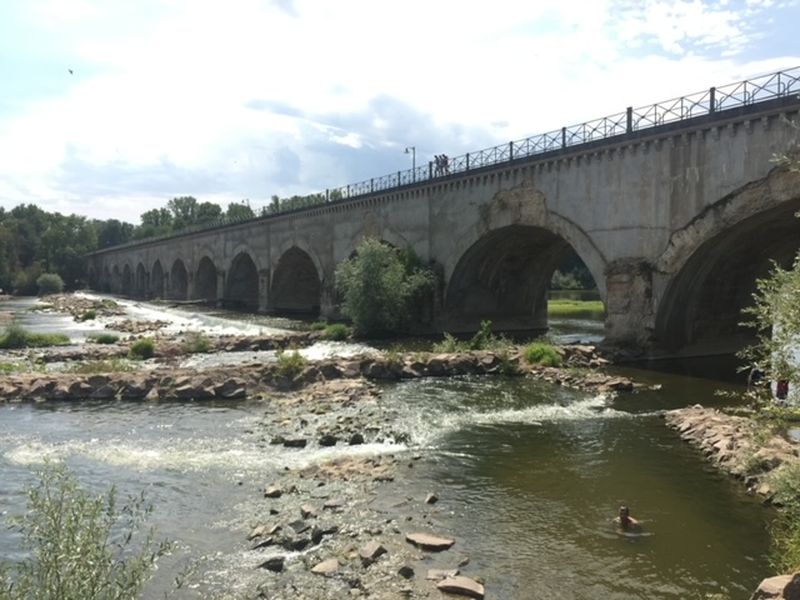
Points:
(576, 309)
(539, 353)
(111, 365)
(16, 336)
(290, 364)
(103, 338)
(318, 325)
(336, 332)
(87, 315)
(196, 342)
(143, 348)
(483, 339)
(25, 367)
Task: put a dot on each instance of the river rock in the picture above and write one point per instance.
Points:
(461, 585)
(232, 388)
(295, 443)
(431, 498)
(370, 552)
(273, 491)
(307, 511)
(274, 564)
(439, 574)
(326, 567)
(406, 572)
(428, 541)
(356, 439)
(327, 440)
(772, 587)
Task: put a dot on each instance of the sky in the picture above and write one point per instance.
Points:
(109, 108)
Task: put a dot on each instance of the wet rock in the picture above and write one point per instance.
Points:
(104, 392)
(267, 541)
(370, 552)
(406, 572)
(326, 567)
(152, 395)
(273, 491)
(461, 585)
(274, 564)
(295, 443)
(133, 390)
(297, 544)
(772, 587)
(333, 503)
(318, 532)
(262, 531)
(307, 511)
(328, 440)
(329, 370)
(431, 498)
(356, 439)
(232, 388)
(428, 541)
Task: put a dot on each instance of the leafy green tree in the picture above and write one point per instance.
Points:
(239, 211)
(49, 283)
(379, 286)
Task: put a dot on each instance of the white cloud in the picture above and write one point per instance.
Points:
(224, 100)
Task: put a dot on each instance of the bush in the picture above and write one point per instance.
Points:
(88, 315)
(539, 353)
(81, 546)
(103, 338)
(290, 365)
(336, 332)
(195, 343)
(16, 336)
(143, 348)
(380, 286)
(785, 529)
(49, 283)
(318, 325)
(483, 339)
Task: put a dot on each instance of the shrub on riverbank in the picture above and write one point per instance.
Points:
(103, 338)
(539, 353)
(196, 342)
(16, 336)
(382, 287)
(87, 315)
(336, 332)
(483, 339)
(80, 546)
(785, 528)
(143, 348)
(49, 283)
(290, 364)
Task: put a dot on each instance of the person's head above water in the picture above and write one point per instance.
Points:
(624, 513)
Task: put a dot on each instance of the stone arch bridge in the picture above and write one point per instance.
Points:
(675, 208)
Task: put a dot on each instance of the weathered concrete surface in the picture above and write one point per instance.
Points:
(674, 224)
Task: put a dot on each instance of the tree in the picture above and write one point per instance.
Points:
(380, 285)
(239, 211)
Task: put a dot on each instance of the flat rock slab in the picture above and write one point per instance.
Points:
(439, 574)
(326, 567)
(429, 541)
(370, 552)
(461, 585)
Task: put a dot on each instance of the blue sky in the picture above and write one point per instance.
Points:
(248, 98)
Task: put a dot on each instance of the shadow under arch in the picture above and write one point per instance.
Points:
(141, 281)
(178, 281)
(700, 310)
(296, 287)
(241, 290)
(157, 280)
(127, 280)
(504, 277)
(205, 281)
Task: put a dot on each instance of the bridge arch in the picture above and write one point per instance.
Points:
(242, 285)
(105, 283)
(127, 280)
(178, 280)
(296, 283)
(157, 280)
(141, 281)
(205, 280)
(504, 276)
(701, 306)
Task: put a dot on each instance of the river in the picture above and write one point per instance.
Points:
(528, 475)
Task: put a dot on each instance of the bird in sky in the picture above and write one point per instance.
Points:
(70, 71)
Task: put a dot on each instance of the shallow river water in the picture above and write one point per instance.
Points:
(528, 474)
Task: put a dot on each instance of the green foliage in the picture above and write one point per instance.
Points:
(80, 546)
(196, 342)
(508, 366)
(539, 353)
(87, 315)
(279, 205)
(379, 286)
(575, 309)
(289, 364)
(49, 283)
(318, 325)
(16, 336)
(103, 338)
(143, 348)
(483, 339)
(239, 211)
(785, 528)
(336, 332)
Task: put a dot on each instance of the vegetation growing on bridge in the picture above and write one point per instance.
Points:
(382, 288)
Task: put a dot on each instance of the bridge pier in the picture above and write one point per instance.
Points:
(630, 317)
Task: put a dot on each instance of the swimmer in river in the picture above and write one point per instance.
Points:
(626, 522)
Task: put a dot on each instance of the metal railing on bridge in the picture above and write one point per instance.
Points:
(708, 102)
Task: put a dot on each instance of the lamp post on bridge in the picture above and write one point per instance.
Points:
(412, 150)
